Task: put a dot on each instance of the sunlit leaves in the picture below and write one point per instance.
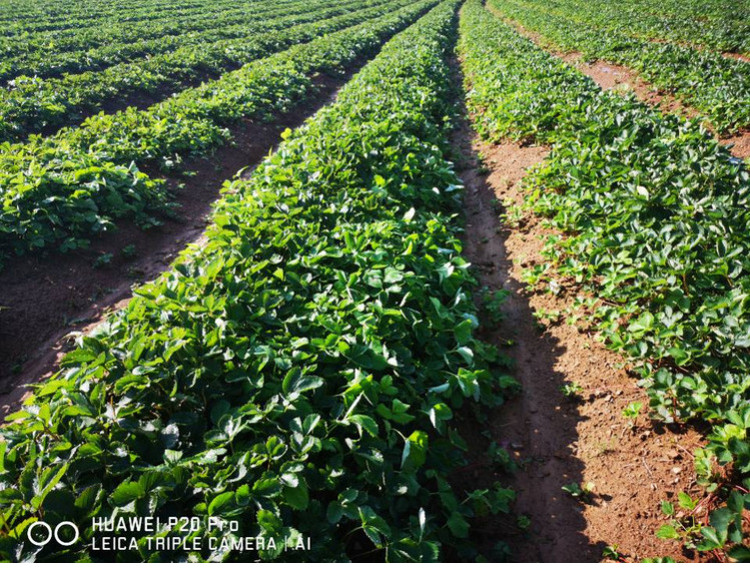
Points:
(652, 214)
(299, 372)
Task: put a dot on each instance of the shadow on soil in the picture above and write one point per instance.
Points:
(538, 427)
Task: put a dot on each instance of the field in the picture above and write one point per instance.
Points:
(375, 280)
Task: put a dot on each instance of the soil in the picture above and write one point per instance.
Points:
(555, 439)
(44, 300)
(610, 76)
(735, 56)
(739, 143)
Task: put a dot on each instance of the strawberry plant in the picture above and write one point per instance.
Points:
(652, 218)
(299, 372)
(60, 190)
(100, 42)
(716, 86)
(32, 104)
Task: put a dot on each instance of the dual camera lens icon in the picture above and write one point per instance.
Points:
(65, 534)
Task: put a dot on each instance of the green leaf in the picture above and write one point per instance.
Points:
(335, 512)
(463, 331)
(366, 423)
(49, 479)
(711, 540)
(667, 531)
(740, 553)
(126, 492)
(414, 453)
(458, 525)
(291, 378)
(296, 497)
(88, 497)
(686, 502)
(243, 496)
(266, 487)
(307, 384)
(269, 522)
(373, 525)
(221, 503)
(643, 323)
(720, 519)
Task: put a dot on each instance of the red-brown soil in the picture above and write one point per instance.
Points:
(735, 56)
(44, 299)
(740, 144)
(610, 76)
(559, 440)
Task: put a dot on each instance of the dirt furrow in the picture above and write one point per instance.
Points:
(560, 440)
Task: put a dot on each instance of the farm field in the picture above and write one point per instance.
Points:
(375, 280)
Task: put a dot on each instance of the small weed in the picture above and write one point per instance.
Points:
(512, 215)
(128, 252)
(501, 457)
(631, 412)
(611, 553)
(533, 276)
(492, 303)
(583, 492)
(104, 260)
(572, 390)
(482, 169)
(605, 447)
(683, 527)
(551, 317)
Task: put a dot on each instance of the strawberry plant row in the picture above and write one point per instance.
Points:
(717, 87)
(79, 34)
(34, 104)
(299, 372)
(63, 19)
(73, 184)
(99, 48)
(654, 221)
(718, 25)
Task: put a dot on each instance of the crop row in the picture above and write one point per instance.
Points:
(299, 372)
(70, 16)
(716, 86)
(654, 221)
(66, 187)
(34, 104)
(82, 35)
(724, 27)
(99, 48)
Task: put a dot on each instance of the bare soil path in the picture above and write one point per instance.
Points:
(559, 440)
(46, 298)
